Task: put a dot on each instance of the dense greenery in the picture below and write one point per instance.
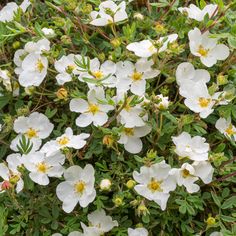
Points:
(36, 210)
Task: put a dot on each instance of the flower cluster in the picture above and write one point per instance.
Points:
(117, 123)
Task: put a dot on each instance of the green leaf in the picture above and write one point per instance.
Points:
(229, 203)
(216, 199)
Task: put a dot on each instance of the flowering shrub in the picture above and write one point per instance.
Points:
(117, 117)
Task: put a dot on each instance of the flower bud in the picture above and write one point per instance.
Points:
(142, 209)
(115, 42)
(29, 90)
(108, 140)
(105, 184)
(6, 185)
(138, 16)
(14, 179)
(160, 28)
(16, 44)
(222, 79)
(62, 94)
(118, 201)
(130, 184)
(210, 221)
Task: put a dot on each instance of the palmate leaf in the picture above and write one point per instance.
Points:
(25, 145)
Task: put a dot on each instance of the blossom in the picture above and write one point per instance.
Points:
(226, 127)
(130, 137)
(163, 102)
(165, 41)
(100, 222)
(216, 233)
(92, 111)
(105, 184)
(34, 70)
(132, 115)
(188, 174)
(10, 174)
(197, 14)
(143, 48)
(42, 167)
(186, 74)
(31, 65)
(67, 68)
(137, 232)
(99, 73)
(198, 99)
(68, 139)
(134, 77)
(77, 187)
(35, 127)
(206, 48)
(155, 183)
(48, 32)
(195, 148)
(109, 13)
(7, 13)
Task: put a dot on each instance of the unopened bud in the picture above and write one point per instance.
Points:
(105, 184)
(130, 184)
(62, 94)
(108, 140)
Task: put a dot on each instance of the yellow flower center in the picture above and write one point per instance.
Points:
(151, 49)
(155, 185)
(204, 102)
(129, 131)
(230, 130)
(70, 69)
(202, 51)
(185, 173)
(98, 74)
(63, 141)
(80, 187)
(93, 108)
(42, 167)
(136, 76)
(31, 133)
(39, 65)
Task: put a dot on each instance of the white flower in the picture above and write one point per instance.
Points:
(206, 48)
(92, 111)
(204, 170)
(130, 137)
(42, 167)
(134, 77)
(105, 184)
(163, 102)
(35, 127)
(34, 70)
(100, 222)
(188, 174)
(195, 148)
(143, 48)
(77, 187)
(198, 99)
(30, 47)
(130, 116)
(186, 74)
(7, 13)
(67, 68)
(138, 16)
(196, 13)
(166, 40)
(109, 13)
(10, 174)
(155, 183)
(5, 78)
(226, 127)
(100, 73)
(137, 232)
(66, 140)
(48, 32)
(185, 176)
